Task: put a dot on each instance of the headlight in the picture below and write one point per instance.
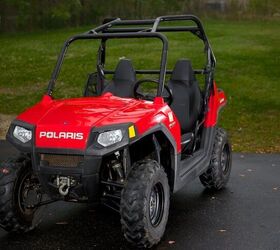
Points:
(22, 134)
(110, 137)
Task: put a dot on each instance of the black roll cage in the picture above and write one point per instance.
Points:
(121, 29)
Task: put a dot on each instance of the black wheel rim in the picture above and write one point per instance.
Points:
(28, 195)
(156, 204)
(225, 159)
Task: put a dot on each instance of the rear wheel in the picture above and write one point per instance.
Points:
(20, 193)
(145, 204)
(217, 175)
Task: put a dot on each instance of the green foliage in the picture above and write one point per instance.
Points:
(62, 13)
(45, 14)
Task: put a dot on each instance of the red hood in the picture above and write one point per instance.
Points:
(79, 115)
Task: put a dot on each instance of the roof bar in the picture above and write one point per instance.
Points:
(103, 26)
(155, 71)
(135, 22)
(147, 29)
(177, 18)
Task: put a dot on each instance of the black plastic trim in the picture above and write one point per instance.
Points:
(52, 170)
(193, 166)
(62, 151)
(159, 127)
(175, 157)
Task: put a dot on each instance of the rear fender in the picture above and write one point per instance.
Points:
(217, 100)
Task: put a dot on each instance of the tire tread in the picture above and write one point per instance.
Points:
(9, 220)
(132, 206)
(213, 177)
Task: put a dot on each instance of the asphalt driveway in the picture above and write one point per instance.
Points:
(246, 215)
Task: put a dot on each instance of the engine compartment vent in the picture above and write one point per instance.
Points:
(68, 161)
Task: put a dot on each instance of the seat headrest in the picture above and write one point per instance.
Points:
(124, 71)
(183, 71)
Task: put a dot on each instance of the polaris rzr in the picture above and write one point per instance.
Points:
(119, 143)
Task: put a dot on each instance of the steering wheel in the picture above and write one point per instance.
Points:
(167, 94)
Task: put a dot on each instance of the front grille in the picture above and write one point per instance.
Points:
(68, 161)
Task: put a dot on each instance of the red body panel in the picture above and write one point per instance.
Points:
(216, 102)
(79, 115)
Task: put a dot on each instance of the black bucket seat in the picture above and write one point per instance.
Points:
(123, 81)
(187, 98)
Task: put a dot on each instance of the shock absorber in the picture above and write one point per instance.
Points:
(117, 166)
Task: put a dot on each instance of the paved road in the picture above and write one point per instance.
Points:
(246, 215)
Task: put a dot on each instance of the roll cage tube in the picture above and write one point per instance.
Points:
(198, 30)
(117, 28)
(94, 35)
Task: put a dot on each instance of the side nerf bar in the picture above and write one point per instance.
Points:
(190, 168)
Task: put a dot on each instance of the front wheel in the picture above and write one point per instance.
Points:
(145, 204)
(20, 195)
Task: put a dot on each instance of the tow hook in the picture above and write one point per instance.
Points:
(64, 184)
(64, 189)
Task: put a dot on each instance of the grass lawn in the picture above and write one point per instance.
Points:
(248, 59)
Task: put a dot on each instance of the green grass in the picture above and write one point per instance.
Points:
(247, 52)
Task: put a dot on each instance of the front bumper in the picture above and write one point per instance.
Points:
(84, 173)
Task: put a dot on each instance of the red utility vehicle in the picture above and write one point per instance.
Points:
(119, 144)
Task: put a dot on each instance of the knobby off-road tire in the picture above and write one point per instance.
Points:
(217, 175)
(15, 176)
(144, 204)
